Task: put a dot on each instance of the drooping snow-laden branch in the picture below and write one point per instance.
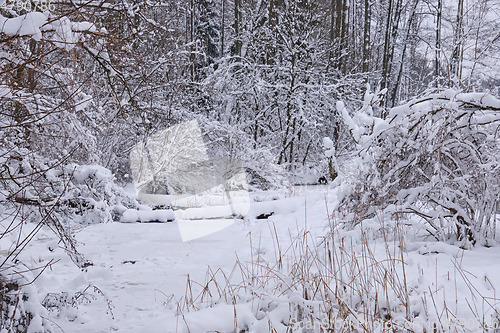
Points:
(436, 157)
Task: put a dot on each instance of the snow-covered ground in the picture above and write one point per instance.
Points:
(140, 270)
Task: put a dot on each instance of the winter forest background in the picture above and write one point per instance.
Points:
(394, 101)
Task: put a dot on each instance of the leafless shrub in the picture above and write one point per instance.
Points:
(437, 158)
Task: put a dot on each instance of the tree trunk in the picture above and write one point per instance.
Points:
(338, 33)
(223, 27)
(391, 33)
(366, 37)
(385, 59)
(455, 61)
(438, 41)
(344, 38)
(191, 39)
(237, 24)
(273, 21)
(403, 54)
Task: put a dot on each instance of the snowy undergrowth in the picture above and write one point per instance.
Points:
(422, 187)
(435, 157)
(377, 276)
(41, 201)
(33, 296)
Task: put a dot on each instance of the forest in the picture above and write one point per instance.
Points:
(392, 105)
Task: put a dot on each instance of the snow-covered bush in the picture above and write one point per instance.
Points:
(92, 195)
(49, 131)
(20, 309)
(54, 196)
(86, 194)
(437, 157)
(65, 304)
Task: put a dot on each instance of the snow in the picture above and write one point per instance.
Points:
(5, 91)
(203, 253)
(84, 102)
(194, 229)
(141, 269)
(160, 215)
(139, 266)
(353, 127)
(329, 147)
(24, 25)
(482, 99)
(81, 173)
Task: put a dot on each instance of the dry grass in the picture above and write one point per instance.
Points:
(337, 283)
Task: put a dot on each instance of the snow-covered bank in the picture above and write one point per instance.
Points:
(142, 271)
